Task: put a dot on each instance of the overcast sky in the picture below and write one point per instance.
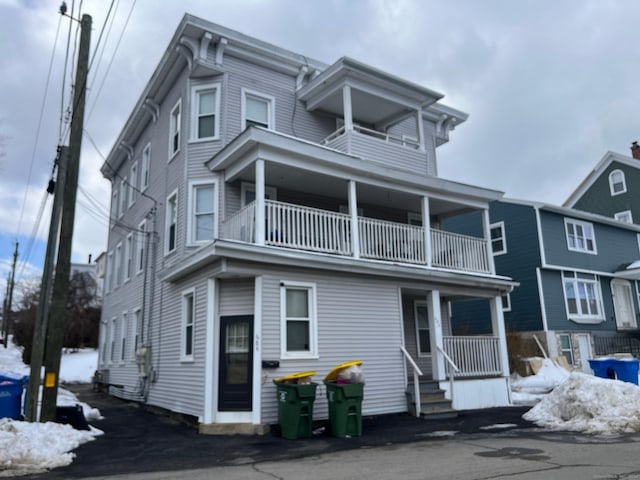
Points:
(549, 86)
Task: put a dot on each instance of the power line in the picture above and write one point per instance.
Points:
(64, 78)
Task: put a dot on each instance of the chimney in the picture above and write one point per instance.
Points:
(635, 150)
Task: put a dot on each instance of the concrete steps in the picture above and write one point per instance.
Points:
(433, 403)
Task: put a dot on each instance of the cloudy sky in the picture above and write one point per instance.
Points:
(549, 85)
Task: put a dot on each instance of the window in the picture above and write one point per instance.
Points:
(108, 282)
(248, 193)
(140, 246)
(617, 183)
(582, 297)
(506, 302)
(146, 163)
(202, 207)
(112, 340)
(625, 216)
(580, 236)
(174, 129)
(133, 183)
(188, 303)
(422, 328)
(298, 332)
(498, 239)
(135, 332)
(565, 347)
(118, 265)
(257, 109)
(103, 342)
(128, 257)
(114, 206)
(205, 112)
(123, 337)
(414, 218)
(171, 223)
(123, 197)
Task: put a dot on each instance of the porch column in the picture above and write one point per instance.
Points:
(420, 124)
(498, 330)
(486, 225)
(348, 114)
(353, 211)
(426, 226)
(435, 335)
(260, 205)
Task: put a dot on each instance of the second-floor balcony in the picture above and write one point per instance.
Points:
(316, 230)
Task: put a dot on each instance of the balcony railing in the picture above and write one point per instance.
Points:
(387, 137)
(475, 356)
(306, 228)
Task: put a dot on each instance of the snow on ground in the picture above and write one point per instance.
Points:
(27, 448)
(530, 390)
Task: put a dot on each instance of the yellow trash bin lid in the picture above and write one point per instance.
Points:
(293, 376)
(333, 374)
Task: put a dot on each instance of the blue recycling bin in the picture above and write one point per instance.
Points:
(10, 396)
(625, 370)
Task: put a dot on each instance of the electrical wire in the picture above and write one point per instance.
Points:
(64, 78)
(34, 234)
(104, 45)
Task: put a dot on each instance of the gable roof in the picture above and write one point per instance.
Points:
(602, 165)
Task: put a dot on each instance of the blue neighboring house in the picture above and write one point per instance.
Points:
(579, 276)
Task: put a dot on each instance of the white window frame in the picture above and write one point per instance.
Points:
(175, 129)
(270, 193)
(584, 226)
(188, 295)
(108, 283)
(418, 304)
(196, 91)
(135, 324)
(624, 217)
(565, 350)
(191, 215)
(312, 318)
(103, 341)
(114, 205)
(133, 183)
(122, 197)
(141, 240)
(506, 302)
(123, 337)
(145, 167)
(112, 340)
(128, 257)
(612, 182)
(502, 237)
(118, 265)
(579, 316)
(168, 222)
(271, 107)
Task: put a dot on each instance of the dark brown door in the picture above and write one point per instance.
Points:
(236, 363)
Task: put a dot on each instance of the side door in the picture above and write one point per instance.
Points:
(235, 392)
(623, 304)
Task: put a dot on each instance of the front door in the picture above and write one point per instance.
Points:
(236, 363)
(623, 304)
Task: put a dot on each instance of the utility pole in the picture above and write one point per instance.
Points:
(6, 318)
(40, 327)
(55, 327)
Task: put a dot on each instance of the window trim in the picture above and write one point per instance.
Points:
(135, 321)
(118, 265)
(582, 224)
(416, 305)
(313, 320)
(145, 167)
(271, 107)
(122, 200)
(196, 90)
(115, 199)
(506, 305)
(123, 337)
(611, 182)
(175, 128)
(191, 234)
(108, 283)
(189, 293)
(563, 350)
(141, 240)
(112, 340)
(577, 278)
(622, 214)
(503, 237)
(167, 224)
(128, 258)
(271, 193)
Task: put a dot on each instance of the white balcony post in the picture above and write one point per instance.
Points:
(353, 212)
(435, 335)
(486, 225)
(420, 124)
(348, 114)
(426, 225)
(497, 327)
(260, 205)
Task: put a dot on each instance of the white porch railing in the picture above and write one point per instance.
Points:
(452, 369)
(416, 379)
(241, 225)
(387, 137)
(459, 252)
(391, 241)
(475, 356)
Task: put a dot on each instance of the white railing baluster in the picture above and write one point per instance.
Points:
(476, 356)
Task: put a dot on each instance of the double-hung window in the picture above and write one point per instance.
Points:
(298, 330)
(205, 108)
(625, 216)
(146, 165)
(617, 183)
(108, 282)
(171, 223)
(580, 236)
(258, 109)
(188, 312)
(135, 329)
(128, 257)
(202, 208)
(565, 347)
(133, 183)
(114, 205)
(175, 120)
(498, 239)
(123, 197)
(582, 296)
(123, 336)
(118, 265)
(141, 238)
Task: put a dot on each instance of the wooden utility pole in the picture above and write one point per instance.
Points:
(8, 301)
(56, 323)
(40, 327)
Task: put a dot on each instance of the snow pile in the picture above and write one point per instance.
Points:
(11, 361)
(589, 404)
(530, 390)
(78, 366)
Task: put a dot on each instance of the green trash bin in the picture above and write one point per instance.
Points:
(295, 408)
(345, 408)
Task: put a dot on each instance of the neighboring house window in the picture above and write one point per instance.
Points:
(188, 303)
(171, 223)
(174, 129)
(582, 297)
(580, 236)
(617, 183)
(123, 337)
(506, 302)
(202, 207)
(123, 197)
(118, 265)
(257, 109)
(248, 193)
(624, 217)
(135, 326)
(133, 183)
(205, 112)
(422, 328)
(128, 257)
(565, 347)
(112, 340)
(140, 244)
(109, 275)
(498, 238)
(146, 164)
(298, 320)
